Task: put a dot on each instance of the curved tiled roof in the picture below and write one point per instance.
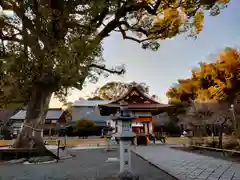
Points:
(51, 114)
(130, 90)
(5, 114)
(93, 103)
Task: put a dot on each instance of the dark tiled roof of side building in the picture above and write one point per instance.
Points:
(6, 114)
(52, 114)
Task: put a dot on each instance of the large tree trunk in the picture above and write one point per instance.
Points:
(30, 134)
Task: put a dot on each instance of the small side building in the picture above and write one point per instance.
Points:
(88, 109)
(5, 115)
(55, 119)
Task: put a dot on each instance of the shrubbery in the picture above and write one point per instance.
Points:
(84, 128)
(232, 143)
(211, 143)
(5, 133)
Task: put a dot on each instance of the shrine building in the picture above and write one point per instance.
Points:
(143, 107)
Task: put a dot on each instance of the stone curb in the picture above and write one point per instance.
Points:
(46, 162)
(175, 176)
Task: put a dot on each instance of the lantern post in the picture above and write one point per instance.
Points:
(125, 135)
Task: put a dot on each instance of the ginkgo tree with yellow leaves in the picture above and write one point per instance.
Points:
(213, 86)
(48, 46)
(219, 80)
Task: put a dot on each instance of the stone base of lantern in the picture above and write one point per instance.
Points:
(126, 175)
(110, 149)
(125, 153)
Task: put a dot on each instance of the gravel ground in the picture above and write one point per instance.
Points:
(87, 165)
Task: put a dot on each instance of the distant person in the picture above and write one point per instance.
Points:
(184, 133)
(152, 138)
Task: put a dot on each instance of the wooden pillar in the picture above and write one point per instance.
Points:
(153, 128)
(161, 131)
(50, 131)
(147, 128)
(144, 128)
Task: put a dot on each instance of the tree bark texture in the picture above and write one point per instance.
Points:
(30, 134)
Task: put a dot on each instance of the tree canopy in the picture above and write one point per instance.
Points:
(49, 46)
(85, 123)
(218, 80)
(95, 98)
(44, 39)
(113, 90)
(84, 127)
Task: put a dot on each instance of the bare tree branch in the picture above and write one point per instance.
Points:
(5, 5)
(10, 38)
(103, 67)
(99, 18)
(12, 26)
(153, 10)
(124, 35)
(122, 12)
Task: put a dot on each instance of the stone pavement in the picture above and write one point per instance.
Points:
(188, 166)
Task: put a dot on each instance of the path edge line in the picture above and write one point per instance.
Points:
(156, 166)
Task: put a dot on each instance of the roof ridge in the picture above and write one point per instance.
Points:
(139, 90)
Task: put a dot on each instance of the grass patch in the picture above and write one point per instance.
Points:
(177, 140)
(70, 142)
(6, 142)
(186, 140)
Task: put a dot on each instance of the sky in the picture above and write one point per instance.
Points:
(174, 60)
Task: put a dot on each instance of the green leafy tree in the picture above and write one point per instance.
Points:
(68, 111)
(95, 98)
(114, 90)
(84, 127)
(50, 46)
(5, 132)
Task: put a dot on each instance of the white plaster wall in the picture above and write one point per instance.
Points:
(111, 123)
(137, 124)
(145, 128)
(150, 128)
(119, 125)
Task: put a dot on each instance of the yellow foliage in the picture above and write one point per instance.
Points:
(212, 80)
(148, 1)
(198, 21)
(171, 13)
(221, 84)
(159, 20)
(224, 1)
(203, 95)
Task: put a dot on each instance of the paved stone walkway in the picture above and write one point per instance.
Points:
(189, 166)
